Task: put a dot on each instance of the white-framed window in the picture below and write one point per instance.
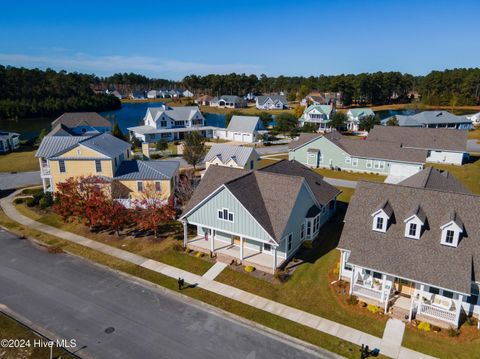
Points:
(449, 236)
(348, 159)
(369, 164)
(267, 247)
(320, 157)
(412, 230)
(61, 166)
(382, 165)
(158, 186)
(379, 223)
(302, 231)
(225, 215)
(98, 166)
(355, 162)
(376, 164)
(140, 186)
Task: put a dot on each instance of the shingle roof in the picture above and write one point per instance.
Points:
(180, 113)
(74, 119)
(258, 191)
(244, 124)
(225, 152)
(60, 130)
(303, 139)
(146, 170)
(262, 99)
(52, 145)
(424, 260)
(356, 112)
(430, 118)
(427, 138)
(435, 179)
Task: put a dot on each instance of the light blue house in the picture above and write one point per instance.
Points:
(433, 119)
(355, 115)
(258, 218)
(317, 114)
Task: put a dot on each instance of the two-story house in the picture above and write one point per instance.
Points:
(107, 157)
(9, 141)
(413, 248)
(317, 114)
(273, 102)
(221, 154)
(170, 123)
(355, 115)
(260, 217)
(81, 124)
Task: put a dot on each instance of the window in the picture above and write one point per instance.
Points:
(331, 205)
(140, 186)
(412, 231)
(473, 299)
(376, 164)
(225, 214)
(220, 214)
(115, 161)
(98, 166)
(230, 217)
(163, 123)
(347, 265)
(289, 242)
(379, 223)
(348, 159)
(369, 163)
(251, 164)
(382, 165)
(61, 165)
(302, 231)
(355, 162)
(158, 186)
(309, 227)
(449, 237)
(267, 247)
(434, 290)
(447, 294)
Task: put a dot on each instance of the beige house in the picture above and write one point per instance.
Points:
(232, 156)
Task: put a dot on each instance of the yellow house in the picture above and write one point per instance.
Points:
(232, 156)
(103, 155)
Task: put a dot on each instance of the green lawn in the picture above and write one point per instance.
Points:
(11, 329)
(21, 160)
(468, 174)
(474, 134)
(352, 176)
(162, 249)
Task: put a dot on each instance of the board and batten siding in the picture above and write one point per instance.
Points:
(243, 224)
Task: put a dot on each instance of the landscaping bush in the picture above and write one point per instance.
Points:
(43, 203)
(307, 244)
(18, 200)
(373, 308)
(424, 326)
(155, 156)
(353, 300)
(30, 202)
(336, 270)
(436, 329)
(249, 269)
(452, 332)
(199, 254)
(32, 191)
(471, 322)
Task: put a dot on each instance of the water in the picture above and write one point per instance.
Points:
(388, 113)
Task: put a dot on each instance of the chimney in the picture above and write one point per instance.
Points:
(146, 149)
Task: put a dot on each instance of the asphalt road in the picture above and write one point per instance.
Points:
(75, 299)
(20, 179)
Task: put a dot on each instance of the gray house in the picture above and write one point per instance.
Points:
(274, 102)
(228, 101)
(80, 124)
(258, 218)
(9, 141)
(413, 248)
(433, 119)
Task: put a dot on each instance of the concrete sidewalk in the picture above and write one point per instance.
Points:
(313, 321)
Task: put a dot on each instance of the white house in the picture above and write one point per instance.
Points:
(152, 94)
(274, 102)
(170, 123)
(187, 93)
(9, 141)
(355, 115)
(242, 129)
(475, 118)
(317, 114)
(228, 101)
(226, 155)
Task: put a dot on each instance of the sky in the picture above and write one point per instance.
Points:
(172, 39)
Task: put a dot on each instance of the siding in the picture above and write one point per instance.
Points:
(128, 189)
(77, 168)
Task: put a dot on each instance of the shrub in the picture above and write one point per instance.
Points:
(18, 200)
(199, 254)
(32, 191)
(30, 202)
(307, 244)
(452, 332)
(177, 247)
(249, 269)
(353, 300)
(373, 308)
(362, 304)
(436, 329)
(471, 322)
(424, 326)
(43, 203)
(155, 156)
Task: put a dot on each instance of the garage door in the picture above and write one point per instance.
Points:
(401, 170)
(237, 137)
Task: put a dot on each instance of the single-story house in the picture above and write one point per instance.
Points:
(242, 129)
(228, 101)
(317, 114)
(475, 118)
(336, 151)
(355, 115)
(258, 218)
(221, 154)
(433, 119)
(81, 124)
(152, 94)
(204, 100)
(274, 102)
(414, 250)
(137, 95)
(442, 145)
(187, 93)
(9, 141)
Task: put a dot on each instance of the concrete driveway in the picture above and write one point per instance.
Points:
(20, 179)
(473, 146)
(116, 317)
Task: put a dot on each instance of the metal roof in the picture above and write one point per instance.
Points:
(225, 152)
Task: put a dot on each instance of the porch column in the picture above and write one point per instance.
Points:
(352, 279)
(384, 295)
(212, 243)
(44, 184)
(459, 308)
(241, 248)
(274, 259)
(341, 265)
(185, 234)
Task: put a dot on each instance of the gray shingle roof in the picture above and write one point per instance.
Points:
(424, 260)
(60, 130)
(434, 179)
(53, 145)
(225, 152)
(426, 138)
(146, 170)
(430, 118)
(262, 99)
(244, 124)
(303, 139)
(181, 113)
(258, 191)
(74, 119)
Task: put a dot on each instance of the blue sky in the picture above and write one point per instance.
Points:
(171, 39)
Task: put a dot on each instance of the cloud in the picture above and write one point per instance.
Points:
(106, 65)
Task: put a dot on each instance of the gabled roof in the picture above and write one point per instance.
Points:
(325, 109)
(262, 99)
(418, 212)
(225, 152)
(106, 144)
(53, 145)
(430, 118)
(244, 124)
(356, 112)
(228, 98)
(426, 138)
(180, 113)
(452, 217)
(258, 191)
(60, 130)
(424, 260)
(432, 178)
(303, 139)
(146, 170)
(385, 207)
(74, 119)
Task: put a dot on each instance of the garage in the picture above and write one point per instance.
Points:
(400, 171)
(237, 137)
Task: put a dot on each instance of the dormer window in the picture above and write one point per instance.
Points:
(412, 230)
(379, 224)
(381, 217)
(449, 236)
(414, 223)
(451, 230)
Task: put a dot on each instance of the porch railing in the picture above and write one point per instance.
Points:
(45, 170)
(368, 292)
(436, 312)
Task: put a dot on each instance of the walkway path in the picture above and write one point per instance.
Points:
(313, 321)
(213, 272)
(392, 338)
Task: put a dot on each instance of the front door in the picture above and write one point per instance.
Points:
(236, 240)
(406, 288)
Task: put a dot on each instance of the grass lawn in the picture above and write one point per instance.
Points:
(264, 318)
(21, 160)
(468, 174)
(266, 162)
(352, 176)
(161, 249)
(309, 286)
(247, 111)
(474, 134)
(11, 329)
